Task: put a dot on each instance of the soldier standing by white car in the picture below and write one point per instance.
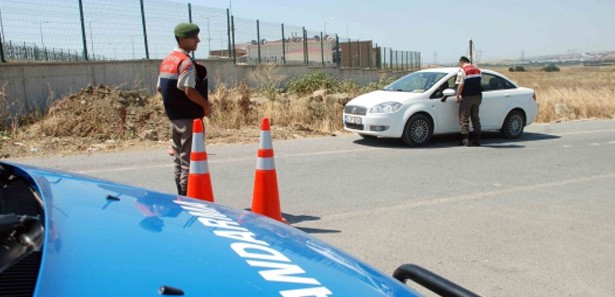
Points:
(469, 97)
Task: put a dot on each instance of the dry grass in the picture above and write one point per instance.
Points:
(573, 93)
(243, 108)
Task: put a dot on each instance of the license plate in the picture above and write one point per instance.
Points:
(352, 120)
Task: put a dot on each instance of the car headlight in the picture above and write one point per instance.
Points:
(386, 107)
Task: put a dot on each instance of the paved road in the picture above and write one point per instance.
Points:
(530, 217)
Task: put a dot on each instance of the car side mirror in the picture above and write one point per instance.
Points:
(448, 93)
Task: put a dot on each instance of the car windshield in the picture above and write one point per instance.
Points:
(417, 82)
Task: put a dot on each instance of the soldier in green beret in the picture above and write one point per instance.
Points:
(186, 30)
(179, 82)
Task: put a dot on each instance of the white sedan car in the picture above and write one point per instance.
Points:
(415, 107)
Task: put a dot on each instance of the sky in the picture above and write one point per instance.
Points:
(441, 29)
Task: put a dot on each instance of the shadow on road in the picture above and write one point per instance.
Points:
(293, 219)
(314, 230)
(488, 139)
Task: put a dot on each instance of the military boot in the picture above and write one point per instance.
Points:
(476, 139)
(465, 140)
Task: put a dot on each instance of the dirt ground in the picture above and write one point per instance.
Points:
(100, 118)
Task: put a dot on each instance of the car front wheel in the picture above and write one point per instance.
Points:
(418, 131)
(513, 125)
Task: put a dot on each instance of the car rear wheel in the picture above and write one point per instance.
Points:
(418, 131)
(513, 125)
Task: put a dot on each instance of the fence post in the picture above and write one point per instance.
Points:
(419, 60)
(349, 54)
(370, 48)
(390, 58)
(2, 60)
(322, 50)
(283, 46)
(190, 21)
(359, 50)
(376, 50)
(384, 58)
(396, 60)
(233, 44)
(258, 40)
(407, 64)
(304, 43)
(305, 46)
(228, 31)
(85, 44)
(144, 30)
(338, 56)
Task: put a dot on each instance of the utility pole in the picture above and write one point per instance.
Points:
(470, 49)
(92, 42)
(479, 56)
(208, 38)
(40, 26)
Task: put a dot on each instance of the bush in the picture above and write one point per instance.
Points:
(379, 85)
(550, 68)
(517, 69)
(311, 82)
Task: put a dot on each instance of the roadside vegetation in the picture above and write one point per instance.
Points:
(312, 103)
(572, 93)
(104, 118)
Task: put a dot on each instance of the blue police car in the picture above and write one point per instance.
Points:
(63, 234)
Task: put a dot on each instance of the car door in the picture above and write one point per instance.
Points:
(447, 113)
(497, 93)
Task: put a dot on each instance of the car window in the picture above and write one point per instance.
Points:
(448, 84)
(492, 82)
(417, 82)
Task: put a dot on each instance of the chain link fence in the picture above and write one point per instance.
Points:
(109, 30)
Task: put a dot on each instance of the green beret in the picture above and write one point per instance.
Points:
(186, 30)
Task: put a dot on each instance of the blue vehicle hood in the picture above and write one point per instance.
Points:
(109, 239)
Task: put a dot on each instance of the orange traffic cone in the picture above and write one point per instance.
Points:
(266, 199)
(199, 181)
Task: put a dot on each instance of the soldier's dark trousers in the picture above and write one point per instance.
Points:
(468, 110)
(181, 133)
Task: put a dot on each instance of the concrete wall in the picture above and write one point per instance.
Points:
(31, 87)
